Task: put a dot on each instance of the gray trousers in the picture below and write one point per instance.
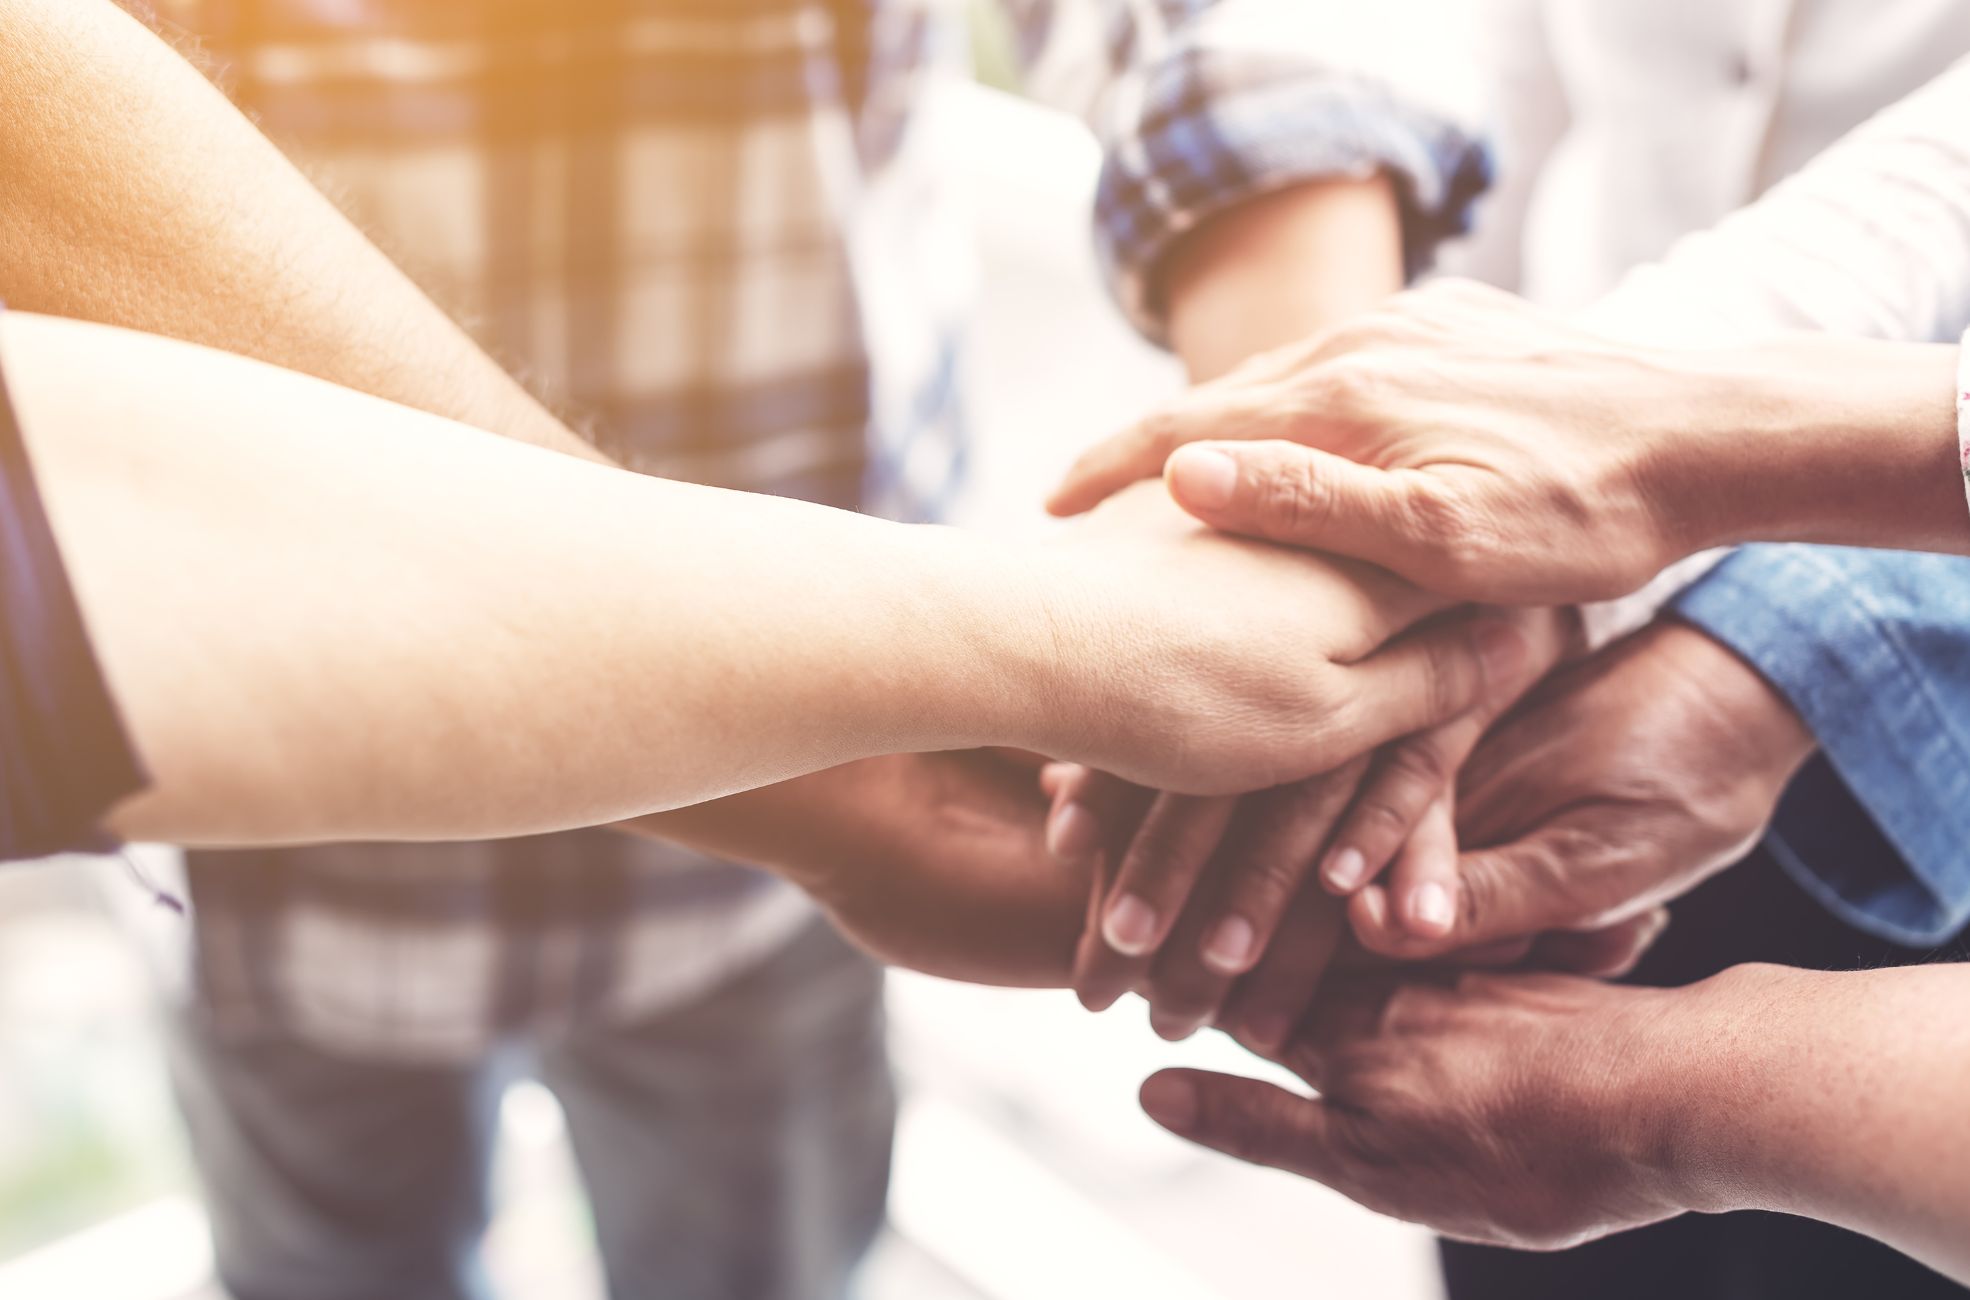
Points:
(733, 1149)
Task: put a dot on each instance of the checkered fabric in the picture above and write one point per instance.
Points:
(719, 234)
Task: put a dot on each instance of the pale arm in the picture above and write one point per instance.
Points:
(329, 617)
(137, 196)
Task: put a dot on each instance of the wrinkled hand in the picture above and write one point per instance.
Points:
(1520, 1110)
(1196, 895)
(1624, 782)
(1479, 446)
(1205, 664)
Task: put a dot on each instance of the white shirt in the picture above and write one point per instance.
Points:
(1623, 125)
(1653, 173)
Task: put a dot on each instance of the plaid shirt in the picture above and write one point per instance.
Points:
(713, 231)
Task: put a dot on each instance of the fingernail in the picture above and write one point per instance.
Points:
(1344, 870)
(1130, 926)
(1430, 910)
(1229, 949)
(1172, 1029)
(1073, 833)
(1171, 1100)
(1501, 650)
(1202, 477)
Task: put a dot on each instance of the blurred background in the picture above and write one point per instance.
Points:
(1024, 1169)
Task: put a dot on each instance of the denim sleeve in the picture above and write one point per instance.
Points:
(1873, 649)
(65, 758)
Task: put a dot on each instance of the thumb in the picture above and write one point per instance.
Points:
(1510, 892)
(1299, 496)
(1435, 673)
(1247, 1118)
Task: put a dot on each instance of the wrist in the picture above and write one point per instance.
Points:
(1713, 1060)
(1278, 267)
(1022, 617)
(1815, 439)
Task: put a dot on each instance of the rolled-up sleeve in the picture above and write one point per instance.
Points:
(65, 758)
(1206, 105)
(1873, 649)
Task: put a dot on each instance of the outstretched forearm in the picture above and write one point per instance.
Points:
(329, 617)
(326, 616)
(1835, 1096)
(137, 196)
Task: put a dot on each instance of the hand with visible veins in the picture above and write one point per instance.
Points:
(1493, 451)
(1210, 907)
(1625, 781)
(1542, 1111)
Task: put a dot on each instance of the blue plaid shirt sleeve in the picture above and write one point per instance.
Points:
(1210, 103)
(1873, 649)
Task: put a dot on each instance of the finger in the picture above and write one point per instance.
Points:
(1160, 869)
(1407, 777)
(1302, 496)
(1268, 1004)
(1088, 806)
(1092, 950)
(1291, 825)
(1607, 953)
(1153, 880)
(1425, 679)
(1057, 778)
(1423, 884)
(1246, 1118)
(1261, 865)
(1513, 891)
(1111, 465)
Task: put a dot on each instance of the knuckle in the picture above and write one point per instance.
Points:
(1267, 883)
(1293, 499)
(1451, 670)
(1445, 520)
(1382, 817)
(1477, 896)
(1415, 771)
(1355, 383)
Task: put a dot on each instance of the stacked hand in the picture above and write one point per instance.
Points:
(1619, 784)
(1458, 436)
(1267, 664)
(1490, 450)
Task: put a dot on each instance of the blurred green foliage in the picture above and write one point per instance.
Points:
(992, 46)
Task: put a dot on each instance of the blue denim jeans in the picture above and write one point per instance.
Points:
(733, 1149)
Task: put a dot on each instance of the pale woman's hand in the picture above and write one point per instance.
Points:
(1225, 910)
(1187, 660)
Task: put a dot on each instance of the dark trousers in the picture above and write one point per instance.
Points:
(1751, 913)
(735, 1148)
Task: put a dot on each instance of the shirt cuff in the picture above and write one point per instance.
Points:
(65, 759)
(1869, 647)
(1210, 129)
(1607, 621)
(1963, 411)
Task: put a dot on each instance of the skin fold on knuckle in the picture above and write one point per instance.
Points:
(1290, 499)
(1413, 773)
